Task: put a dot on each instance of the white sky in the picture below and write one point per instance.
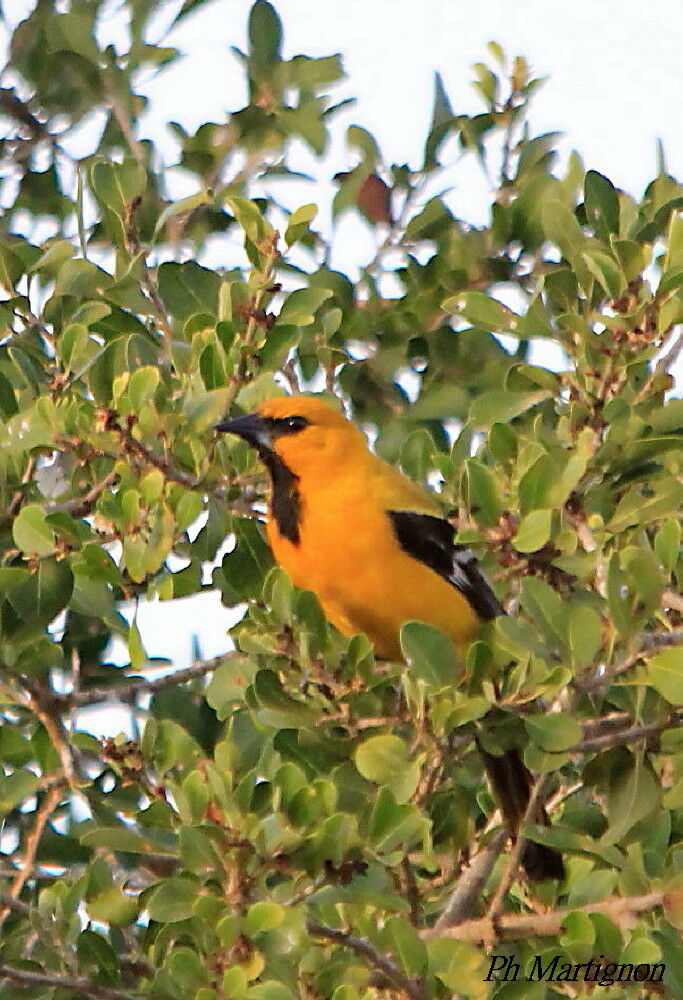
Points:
(614, 88)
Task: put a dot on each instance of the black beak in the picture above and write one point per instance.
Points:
(252, 428)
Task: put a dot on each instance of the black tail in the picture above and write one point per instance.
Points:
(511, 785)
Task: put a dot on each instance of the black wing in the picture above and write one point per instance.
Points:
(430, 539)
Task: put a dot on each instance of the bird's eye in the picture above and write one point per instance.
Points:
(296, 423)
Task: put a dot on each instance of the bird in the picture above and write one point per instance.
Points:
(376, 551)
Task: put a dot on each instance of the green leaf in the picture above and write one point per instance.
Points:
(482, 311)
(554, 732)
(250, 219)
(631, 796)
(16, 787)
(44, 594)
(402, 941)
(203, 413)
(265, 35)
(585, 635)
(131, 841)
(386, 761)
(113, 907)
(501, 406)
(667, 544)
(483, 493)
(116, 185)
(271, 695)
(142, 386)
(636, 507)
(463, 969)
(617, 592)
(665, 673)
(606, 271)
(533, 531)
(187, 970)
(393, 824)
(31, 533)
(602, 204)
(11, 267)
(430, 654)
(298, 223)
(442, 123)
(173, 899)
(300, 306)
(184, 206)
(188, 288)
(545, 606)
(262, 917)
(561, 227)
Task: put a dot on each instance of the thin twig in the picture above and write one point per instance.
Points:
(381, 962)
(42, 814)
(82, 506)
(632, 734)
(12, 106)
(162, 464)
(515, 856)
(646, 642)
(411, 892)
(673, 601)
(16, 905)
(125, 692)
(662, 367)
(41, 704)
(253, 321)
(18, 496)
(621, 910)
(468, 888)
(26, 977)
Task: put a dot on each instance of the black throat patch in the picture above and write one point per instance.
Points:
(285, 504)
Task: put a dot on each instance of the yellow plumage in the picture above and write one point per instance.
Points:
(347, 553)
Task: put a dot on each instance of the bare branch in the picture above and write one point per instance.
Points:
(629, 734)
(360, 946)
(469, 886)
(43, 813)
(673, 601)
(82, 506)
(621, 910)
(12, 106)
(515, 856)
(645, 643)
(667, 359)
(41, 704)
(25, 977)
(125, 692)
(9, 902)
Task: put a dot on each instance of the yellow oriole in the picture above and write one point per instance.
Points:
(373, 548)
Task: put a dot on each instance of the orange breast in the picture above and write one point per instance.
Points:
(349, 557)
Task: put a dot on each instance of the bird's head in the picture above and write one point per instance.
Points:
(305, 433)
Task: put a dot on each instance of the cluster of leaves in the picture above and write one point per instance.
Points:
(295, 819)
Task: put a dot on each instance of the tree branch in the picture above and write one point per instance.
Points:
(469, 886)
(26, 977)
(621, 910)
(646, 642)
(124, 692)
(82, 506)
(516, 853)
(43, 813)
(360, 946)
(630, 734)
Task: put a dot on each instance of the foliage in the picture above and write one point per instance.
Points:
(295, 819)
